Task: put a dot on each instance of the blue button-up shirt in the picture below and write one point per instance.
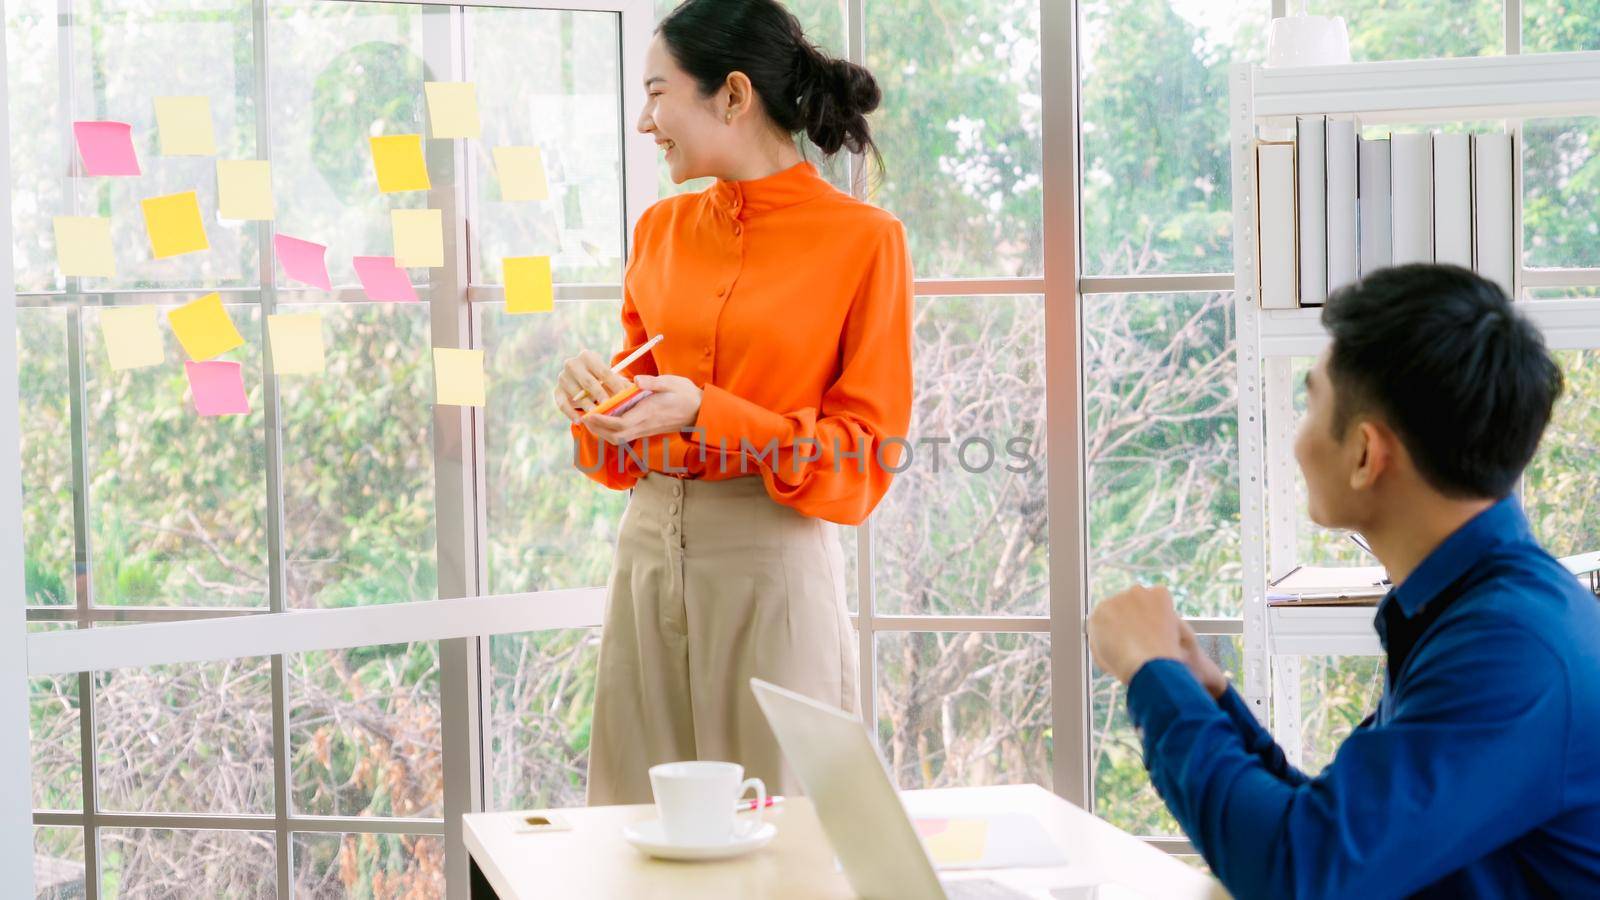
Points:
(1478, 776)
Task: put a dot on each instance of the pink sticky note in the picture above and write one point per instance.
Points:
(383, 280)
(106, 148)
(303, 261)
(217, 386)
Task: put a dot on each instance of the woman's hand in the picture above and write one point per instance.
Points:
(586, 371)
(674, 405)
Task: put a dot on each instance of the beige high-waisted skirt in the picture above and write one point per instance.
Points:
(713, 583)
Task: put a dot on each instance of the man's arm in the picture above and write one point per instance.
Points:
(1472, 759)
(1257, 741)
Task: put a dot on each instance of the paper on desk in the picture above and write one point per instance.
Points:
(998, 841)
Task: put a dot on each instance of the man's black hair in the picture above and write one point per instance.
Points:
(1440, 355)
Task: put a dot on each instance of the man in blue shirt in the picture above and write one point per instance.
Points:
(1479, 773)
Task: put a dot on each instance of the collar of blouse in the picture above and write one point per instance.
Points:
(796, 184)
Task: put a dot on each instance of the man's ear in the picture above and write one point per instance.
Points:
(1375, 448)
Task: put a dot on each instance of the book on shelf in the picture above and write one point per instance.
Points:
(1494, 253)
(1276, 228)
(1340, 144)
(1329, 586)
(1373, 185)
(1311, 214)
(1452, 199)
(1411, 189)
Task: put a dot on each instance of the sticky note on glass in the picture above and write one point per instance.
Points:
(185, 126)
(528, 286)
(133, 341)
(244, 189)
(382, 279)
(296, 342)
(303, 261)
(452, 109)
(204, 328)
(217, 388)
(83, 246)
(106, 148)
(521, 173)
(397, 158)
(174, 225)
(418, 237)
(458, 376)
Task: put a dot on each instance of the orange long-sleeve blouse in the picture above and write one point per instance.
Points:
(789, 303)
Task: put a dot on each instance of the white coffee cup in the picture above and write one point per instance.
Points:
(696, 801)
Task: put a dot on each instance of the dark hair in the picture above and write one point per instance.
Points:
(1440, 354)
(801, 87)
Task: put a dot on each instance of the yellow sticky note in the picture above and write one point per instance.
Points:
(296, 342)
(528, 284)
(185, 126)
(959, 841)
(458, 376)
(418, 237)
(83, 246)
(244, 189)
(174, 225)
(132, 339)
(204, 328)
(521, 171)
(399, 163)
(453, 109)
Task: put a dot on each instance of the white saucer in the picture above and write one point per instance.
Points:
(649, 837)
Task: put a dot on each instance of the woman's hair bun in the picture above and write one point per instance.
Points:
(835, 97)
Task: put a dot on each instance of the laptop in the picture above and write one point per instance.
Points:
(859, 809)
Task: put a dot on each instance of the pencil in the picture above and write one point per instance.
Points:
(626, 362)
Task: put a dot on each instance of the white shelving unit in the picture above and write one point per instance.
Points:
(1509, 89)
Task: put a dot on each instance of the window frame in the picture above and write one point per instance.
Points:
(461, 490)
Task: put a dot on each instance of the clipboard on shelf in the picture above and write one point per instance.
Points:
(1329, 586)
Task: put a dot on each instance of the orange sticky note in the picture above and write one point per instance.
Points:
(204, 328)
(528, 285)
(174, 225)
(458, 376)
(398, 160)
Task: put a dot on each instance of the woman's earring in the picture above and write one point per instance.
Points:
(729, 118)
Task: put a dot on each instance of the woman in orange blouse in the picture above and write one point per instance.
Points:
(781, 398)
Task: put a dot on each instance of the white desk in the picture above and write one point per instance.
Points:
(593, 860)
